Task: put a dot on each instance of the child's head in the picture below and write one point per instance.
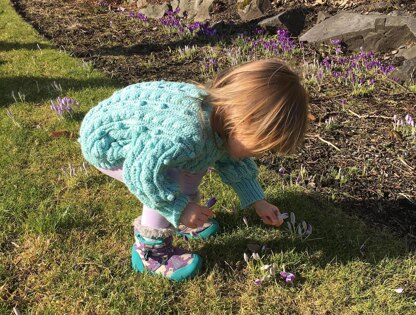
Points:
(261, 105)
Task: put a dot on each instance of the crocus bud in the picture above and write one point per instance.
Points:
(245, 221)
(246, 259)
(211, 202)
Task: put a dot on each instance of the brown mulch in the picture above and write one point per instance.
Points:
(378, 164)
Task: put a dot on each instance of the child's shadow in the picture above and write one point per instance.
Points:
(335, 237)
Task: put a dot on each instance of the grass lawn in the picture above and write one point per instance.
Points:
(65, 240)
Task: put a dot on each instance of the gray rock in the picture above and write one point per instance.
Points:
(322, 16)
(252, 9)
(154, 11)
(198, 10)
(397, 13)
(408, 53)
(292, 20)
(372, 32)
(202, 9)
(407, 71)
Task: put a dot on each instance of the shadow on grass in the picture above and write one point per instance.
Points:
(38, 89)
(7, 46)
(336, 236)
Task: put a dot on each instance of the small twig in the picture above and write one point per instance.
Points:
(355, 114)
(405, 163)
(398, 84)
(362, 247)
(402, 169)
(370, 116)
(408, 198)
(229, 266)
(411, 235)
(16, 311)
(327, 142)
(11, 116)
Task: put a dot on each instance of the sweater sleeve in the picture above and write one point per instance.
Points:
(241, 175)
(145, 174)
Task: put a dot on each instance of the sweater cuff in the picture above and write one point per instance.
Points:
(248, 191)
(179, 204)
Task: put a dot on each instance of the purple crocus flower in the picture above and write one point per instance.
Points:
(142, 17)
(335, 41)
(211, 202)
(63, 105)
(287, 276)
(258, 281)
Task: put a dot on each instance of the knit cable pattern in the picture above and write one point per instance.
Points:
(150, 127)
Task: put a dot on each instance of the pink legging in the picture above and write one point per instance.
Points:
(188, 183)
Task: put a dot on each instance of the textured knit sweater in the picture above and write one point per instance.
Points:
(150, 127)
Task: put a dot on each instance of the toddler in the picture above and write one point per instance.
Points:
(159, 138)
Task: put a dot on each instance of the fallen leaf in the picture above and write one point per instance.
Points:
(61, 133)
(311, 117)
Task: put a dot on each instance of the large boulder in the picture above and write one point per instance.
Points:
(407, 71)
(197, 10)
(293, 20)
(252, 9)
(375, 32)
(152, 9)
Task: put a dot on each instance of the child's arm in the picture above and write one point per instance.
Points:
(241, 175)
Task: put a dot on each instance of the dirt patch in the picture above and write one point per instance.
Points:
(359, 161)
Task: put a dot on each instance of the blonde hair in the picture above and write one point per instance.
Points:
(263, 102)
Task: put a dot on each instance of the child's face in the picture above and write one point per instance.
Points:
(237, 149)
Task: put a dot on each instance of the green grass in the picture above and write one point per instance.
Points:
(65, 241)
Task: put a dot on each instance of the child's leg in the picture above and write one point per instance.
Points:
(188, 182)
(150, 217)
(116, 173)
(153, 251)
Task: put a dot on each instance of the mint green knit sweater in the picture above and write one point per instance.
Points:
(150, 127)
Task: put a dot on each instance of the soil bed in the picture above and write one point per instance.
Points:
(371, 172)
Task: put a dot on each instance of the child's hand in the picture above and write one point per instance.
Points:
(195, 215)
(269, 213)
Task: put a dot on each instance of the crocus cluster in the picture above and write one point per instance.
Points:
(174, 24)
(302, 230)
(263, 45)
(270, 271)
(406, 126)
(202, 29)
(209, 66)
(73, 171)
(359, 69)
(140, 16)
(287, 276)
(63, 105)
(252, 46)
